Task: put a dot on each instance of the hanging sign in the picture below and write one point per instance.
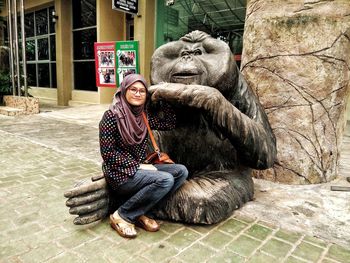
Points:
(127, 59)
(128, 6)
(105, 64)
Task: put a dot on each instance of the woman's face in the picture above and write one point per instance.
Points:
(136, 94)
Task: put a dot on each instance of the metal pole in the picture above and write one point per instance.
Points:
(9, 32)
(24, 59)
(18, 73)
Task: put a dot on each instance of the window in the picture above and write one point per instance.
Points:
(84, 36)
(40, 48)
(221, 19)
(129, 27)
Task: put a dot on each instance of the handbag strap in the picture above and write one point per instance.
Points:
(155, 146)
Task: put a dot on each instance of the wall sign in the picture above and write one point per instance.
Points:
(127, 59)
(128, 6)
(105, 64)
(115, 60)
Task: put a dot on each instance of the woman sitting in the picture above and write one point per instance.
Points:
(123, 144)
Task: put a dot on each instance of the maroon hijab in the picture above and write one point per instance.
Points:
(129, 118)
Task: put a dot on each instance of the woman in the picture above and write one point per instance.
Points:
(123, 143)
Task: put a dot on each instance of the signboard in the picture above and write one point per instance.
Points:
(127, 60)
(105, 64)
(115, 60)
(128, 6)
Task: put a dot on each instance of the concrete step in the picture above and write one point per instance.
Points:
(9, 111)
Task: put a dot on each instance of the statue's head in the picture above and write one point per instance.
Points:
(196, 58)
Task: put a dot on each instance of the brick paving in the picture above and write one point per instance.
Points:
(35, 225)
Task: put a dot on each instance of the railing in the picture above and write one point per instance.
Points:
(14, 57)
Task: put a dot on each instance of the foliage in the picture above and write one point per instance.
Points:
(5, 85)
(5, 80)
(2, 4)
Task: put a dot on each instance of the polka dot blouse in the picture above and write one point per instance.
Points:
(120, 160)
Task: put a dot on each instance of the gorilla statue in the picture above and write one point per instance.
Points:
(222, 133)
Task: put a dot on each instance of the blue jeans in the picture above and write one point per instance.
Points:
(147, 188)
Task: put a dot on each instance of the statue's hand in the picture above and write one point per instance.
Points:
(197, 96)
(89, 200)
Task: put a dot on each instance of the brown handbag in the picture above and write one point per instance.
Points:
(156, 157)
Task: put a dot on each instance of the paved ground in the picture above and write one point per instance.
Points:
(41, 156)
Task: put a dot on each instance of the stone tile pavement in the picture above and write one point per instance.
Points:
(40, 158)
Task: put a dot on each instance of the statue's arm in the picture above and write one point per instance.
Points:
(251, 136)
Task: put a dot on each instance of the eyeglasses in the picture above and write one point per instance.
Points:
(134, 91)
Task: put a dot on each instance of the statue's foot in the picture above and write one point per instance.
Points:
(208, 199)
(89, 200)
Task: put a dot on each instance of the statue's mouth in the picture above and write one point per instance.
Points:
(185, 77)
(184, 74)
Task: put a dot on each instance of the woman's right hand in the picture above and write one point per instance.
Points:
(150, 167)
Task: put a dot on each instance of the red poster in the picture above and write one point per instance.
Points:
(105, 64)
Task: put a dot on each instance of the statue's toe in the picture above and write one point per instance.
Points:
(86, 187)
(91, 217)
(89, 207)
(87, 198)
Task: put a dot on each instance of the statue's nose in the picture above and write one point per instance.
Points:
(186, 58)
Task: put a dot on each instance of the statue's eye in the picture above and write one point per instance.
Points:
(197, 52)
(184, 53)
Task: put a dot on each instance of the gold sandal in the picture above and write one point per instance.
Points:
(147, 223)
(123, 228)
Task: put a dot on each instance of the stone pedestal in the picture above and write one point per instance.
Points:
(21, 105)
(297, 58)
